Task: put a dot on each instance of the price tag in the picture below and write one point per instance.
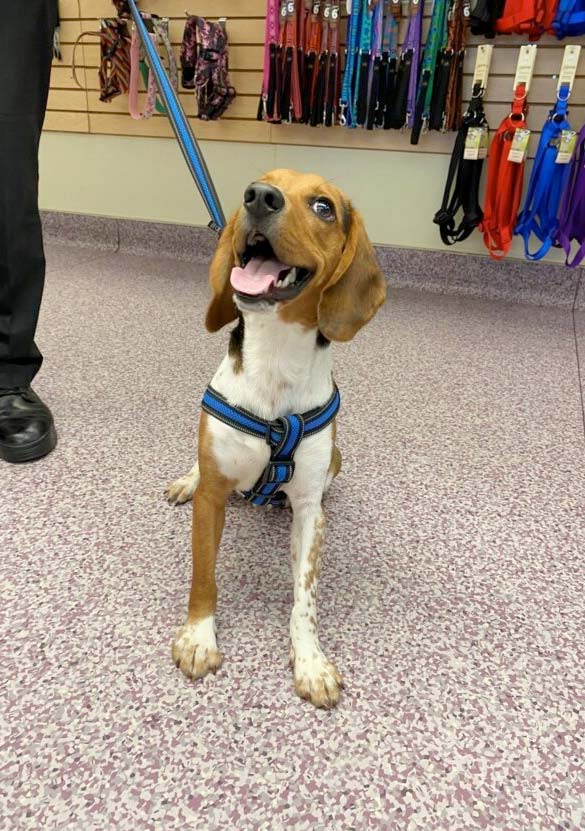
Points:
(525, 66)
(569, 66)
(519, 146)
(476, 143)
(567, 144)
(482, 65)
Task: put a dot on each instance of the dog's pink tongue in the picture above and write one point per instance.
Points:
(257, 277)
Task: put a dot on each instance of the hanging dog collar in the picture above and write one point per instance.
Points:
(283, 435)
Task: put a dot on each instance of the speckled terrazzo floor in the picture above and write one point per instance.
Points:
(452, 597)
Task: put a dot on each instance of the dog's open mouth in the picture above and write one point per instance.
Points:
(263, 277)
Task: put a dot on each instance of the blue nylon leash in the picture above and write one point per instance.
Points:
(346, 116)
(283, 435)
(540, 215)
(180, 125)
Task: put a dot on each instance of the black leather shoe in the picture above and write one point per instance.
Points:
(27, 431)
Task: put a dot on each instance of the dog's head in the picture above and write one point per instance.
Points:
(296, 241)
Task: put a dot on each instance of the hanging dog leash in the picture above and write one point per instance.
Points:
(389, 62)
(435, 43)
(374, 103)
(360, 90)
(547, 181)
(572, 213)
(402, 108)
(333, 67)
(504, 178)
(269, 99)
(180, 124)
(506, 164)
(346, 112)
(464, 176)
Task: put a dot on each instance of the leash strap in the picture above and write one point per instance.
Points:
(161, 29)
(504, 181)
(291, 105)
(268, 106)
(569, 19)
(180, 124)
(483, 16)
(319, 81)
(572, 213)
(435, 41)
(413, 44)
(463, 179)
(135, 75)
(283, 435)
(333, 67)
(445, 113)
(387, 70)
(374, 103)
(547, 182)
(523, 17)
(360, 90)
(346, 110)
(313, 43)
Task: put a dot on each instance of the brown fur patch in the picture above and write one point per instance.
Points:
(208, 520)
(236, 346)
(315, 554)
(335, 463)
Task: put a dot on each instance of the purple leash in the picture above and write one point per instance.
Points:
(412, 42)
(572, 216)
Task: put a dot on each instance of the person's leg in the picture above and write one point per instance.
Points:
(26, 37)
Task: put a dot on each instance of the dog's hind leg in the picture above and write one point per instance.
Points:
(334, 468)
(182, 490)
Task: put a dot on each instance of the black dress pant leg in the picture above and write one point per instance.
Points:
(26, 36)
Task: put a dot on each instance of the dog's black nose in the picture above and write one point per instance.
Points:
(261, 199)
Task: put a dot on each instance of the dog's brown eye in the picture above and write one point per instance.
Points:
(324, 209)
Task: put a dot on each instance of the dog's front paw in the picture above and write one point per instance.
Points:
(195, 649)
(317, 679)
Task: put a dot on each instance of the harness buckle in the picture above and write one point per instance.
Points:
(279, 472)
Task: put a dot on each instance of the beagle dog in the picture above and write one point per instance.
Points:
(295, 269)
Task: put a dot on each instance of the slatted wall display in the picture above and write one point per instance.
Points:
(75, 110)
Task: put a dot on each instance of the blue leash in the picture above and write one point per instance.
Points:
(180, 125)
(540, 215)
(283, 436)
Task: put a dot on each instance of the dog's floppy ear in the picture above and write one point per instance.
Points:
(357, 287)
(221, 309)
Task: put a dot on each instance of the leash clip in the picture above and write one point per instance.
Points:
(342, 111)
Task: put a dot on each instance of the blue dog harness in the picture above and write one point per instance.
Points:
(283, 435)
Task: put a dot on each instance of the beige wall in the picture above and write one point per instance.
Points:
(146, 178)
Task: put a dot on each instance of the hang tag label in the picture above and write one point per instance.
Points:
(567, 144)
(476, 143)
(525, 66)
(569, 66)
(519, 146)
(482, 65)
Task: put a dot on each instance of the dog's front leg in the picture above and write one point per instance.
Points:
(195, 646)
(316, 678)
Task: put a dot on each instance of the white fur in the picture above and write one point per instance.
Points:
(284, 371)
